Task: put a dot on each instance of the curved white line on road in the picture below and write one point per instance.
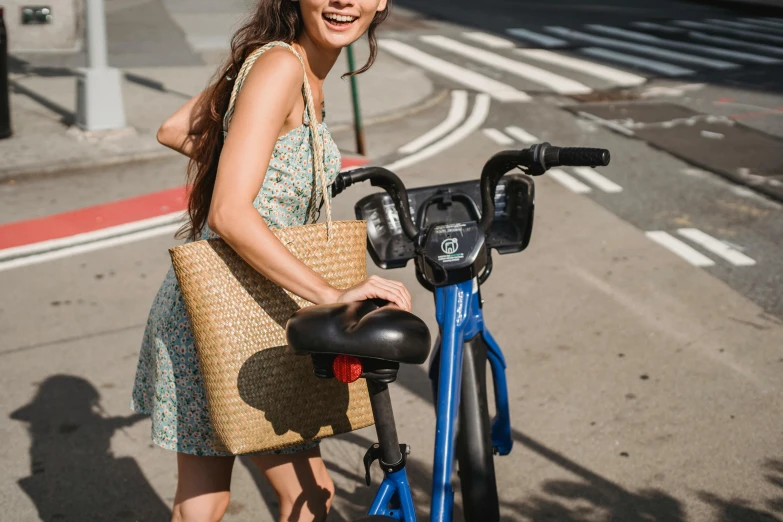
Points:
(90, 237)
(89, 247)
(457, 113)
(472, 124)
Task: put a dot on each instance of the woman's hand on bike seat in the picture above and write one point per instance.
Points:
(375, 287)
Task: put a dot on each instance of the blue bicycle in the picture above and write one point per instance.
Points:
(451, 239)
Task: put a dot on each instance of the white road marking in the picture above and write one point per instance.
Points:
(457, 113)
(716, 246)
(498, 137)
(644, 49)
(479, 82)
(537, 38)
(704, 37)
(657, 27)
(568, 181)
(766, 23)
(521, 135)
(88, 247)
(740, 25)
(616, 76)
(473, 123)
(559, 84)
(90, 237)
(654, 40)
(666, 69)
(599, 180)
(724, 30)
(683, 250)
(490, 40)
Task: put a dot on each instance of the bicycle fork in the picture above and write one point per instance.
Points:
(460, 320)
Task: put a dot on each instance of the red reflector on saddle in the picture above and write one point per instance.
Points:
(347, 368)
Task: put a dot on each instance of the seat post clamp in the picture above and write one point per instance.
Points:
(374, 453)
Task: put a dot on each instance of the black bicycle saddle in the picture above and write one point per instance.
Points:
(371, 329)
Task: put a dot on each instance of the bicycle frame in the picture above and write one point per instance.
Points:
(460, 319)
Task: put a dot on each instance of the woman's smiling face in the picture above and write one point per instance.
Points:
(338, 23)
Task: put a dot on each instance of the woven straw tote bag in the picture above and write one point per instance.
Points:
(260, 395)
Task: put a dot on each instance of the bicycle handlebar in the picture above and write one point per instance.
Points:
(535, 161)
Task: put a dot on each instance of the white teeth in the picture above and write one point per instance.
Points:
(340, 18)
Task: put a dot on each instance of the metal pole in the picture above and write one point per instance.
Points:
(357, 114)
(99, 104)
(5, 105)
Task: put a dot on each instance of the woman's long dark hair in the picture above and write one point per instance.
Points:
(273, 20)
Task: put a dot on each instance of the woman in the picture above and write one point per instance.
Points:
(258, 176)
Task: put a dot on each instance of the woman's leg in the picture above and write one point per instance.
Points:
(302, 483)
(202, 488)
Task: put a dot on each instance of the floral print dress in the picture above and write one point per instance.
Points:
(169, 386)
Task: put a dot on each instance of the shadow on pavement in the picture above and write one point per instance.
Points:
(73, 473)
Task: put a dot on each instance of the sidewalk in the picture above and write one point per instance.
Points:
(43, 104)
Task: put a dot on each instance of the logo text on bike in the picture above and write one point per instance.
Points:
(450, 245)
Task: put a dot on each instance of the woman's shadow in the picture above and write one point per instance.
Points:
(73, 473)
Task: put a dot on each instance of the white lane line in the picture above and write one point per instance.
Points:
(657, 27)
(490, 40)
(88, 237)
(616, 76)
(733, 32)
(521, 135)
(568, 181)
(537, 38)
(740, 25)
(88, 247)
(479, 82)
(665, 69)
(559, 84)
(457, 113)
(765, 23)
(716, 246)
(676, 246)
(498, 137)
(654, 40)
(473, 123)
(704, 37)
(599, 180)
(643, 49)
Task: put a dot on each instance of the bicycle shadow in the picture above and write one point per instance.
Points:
(73, 473)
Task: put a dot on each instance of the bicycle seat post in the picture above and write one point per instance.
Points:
(385, 428)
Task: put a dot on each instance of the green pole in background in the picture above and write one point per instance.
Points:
(357, 114)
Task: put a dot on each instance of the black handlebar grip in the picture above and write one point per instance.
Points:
(578, 157)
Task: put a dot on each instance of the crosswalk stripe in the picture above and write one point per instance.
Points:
(616, 76)
(685, 251)
(568, 181)
(644, 49)
(557, 83)
(457, 112)
(498, 137)
(642, 37)
(766, 23)
(704, 37)
(657, 27)
(521, 135)
(717, 247)
(725, 30)
(666, 69)
(472, 124)
(537, 38)
(597, 179)
(498, 90)
(740, 25)
(490, 40)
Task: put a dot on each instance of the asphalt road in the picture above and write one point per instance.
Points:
(644, 387)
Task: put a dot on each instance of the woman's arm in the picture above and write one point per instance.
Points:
(268, 96)
(178, 131)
